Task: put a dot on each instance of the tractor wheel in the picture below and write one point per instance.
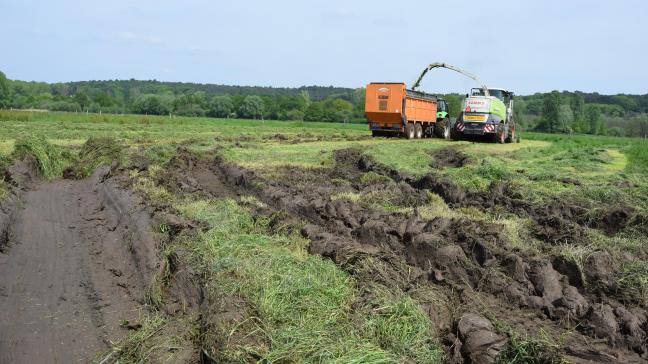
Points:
(418, 128)
(455, 134)
(409, 131)
(442, 129)
(501, 134)
(511, 135)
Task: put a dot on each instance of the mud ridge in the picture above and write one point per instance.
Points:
(407, 252)
(557, 221)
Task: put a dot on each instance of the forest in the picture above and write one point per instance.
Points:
(553, 112)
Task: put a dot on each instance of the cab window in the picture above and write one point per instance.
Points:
(497, 93)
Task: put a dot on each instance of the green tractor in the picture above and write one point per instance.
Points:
(487, 112)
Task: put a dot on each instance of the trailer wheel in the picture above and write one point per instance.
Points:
(442, 129)
(409, 131)
(418, 128)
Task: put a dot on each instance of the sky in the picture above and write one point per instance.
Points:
(522, 46)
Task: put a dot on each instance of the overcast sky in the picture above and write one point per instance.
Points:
(520, 45)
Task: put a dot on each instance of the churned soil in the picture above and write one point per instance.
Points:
(77, 259)
(471, 275)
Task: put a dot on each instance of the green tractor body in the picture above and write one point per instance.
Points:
(488, 115)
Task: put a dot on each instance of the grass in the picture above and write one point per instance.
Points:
(304, 303)
(524, 349)
(96, 152)
(303, 307)
(637, 155)
(633, 280)
(51, 161)
(152, 342)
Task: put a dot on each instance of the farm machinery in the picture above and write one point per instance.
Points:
(392, 109)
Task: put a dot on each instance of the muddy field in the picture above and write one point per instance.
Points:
(116, 266)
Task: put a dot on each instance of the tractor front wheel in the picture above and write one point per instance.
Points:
(442, 129)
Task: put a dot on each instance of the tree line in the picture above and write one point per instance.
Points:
(585, 113)
(554, 112)
(309, 103)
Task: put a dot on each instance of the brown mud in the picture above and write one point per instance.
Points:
(449, 158)
(468, 265)
(76, 267)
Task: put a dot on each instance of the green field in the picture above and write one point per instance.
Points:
(308, 308)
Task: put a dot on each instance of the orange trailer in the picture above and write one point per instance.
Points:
(393, 109)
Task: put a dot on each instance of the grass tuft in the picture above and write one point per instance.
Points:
(96, 152)
(633, 280)
(50, 160)
(134, 348)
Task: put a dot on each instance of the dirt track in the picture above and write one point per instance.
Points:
(68, 276)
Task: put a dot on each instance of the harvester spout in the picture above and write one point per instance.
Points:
(453, 68)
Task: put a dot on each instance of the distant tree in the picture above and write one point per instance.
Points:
(315, 112)
(455, 104)
(338, 110)
(305, 96)
(577, 105)
(82, 99)
(150, 105)
(534, 105)
(252, 107)
(104, 99)
(189, 104)
(550, 112)
(519, 111)
(295, 115)
(221, 106)
(566, 119)
(593, 117)
(5, 92)
(616, 131)
(637, 126)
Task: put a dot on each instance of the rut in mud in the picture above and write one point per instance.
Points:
(78, 259)
(468, 263)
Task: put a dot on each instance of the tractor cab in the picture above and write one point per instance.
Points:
(501, 94)
(442, 109)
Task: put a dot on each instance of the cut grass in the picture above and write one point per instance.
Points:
(136, 347)
(96, 152)
(633, 280)
(50, 160)
(637, 155)
(304, 302)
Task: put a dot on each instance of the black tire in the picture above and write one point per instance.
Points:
(455, 134)
(418, 129)
(442, 129)
(501, 134)
(511, 134)
(409, 131)
(375, 133)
